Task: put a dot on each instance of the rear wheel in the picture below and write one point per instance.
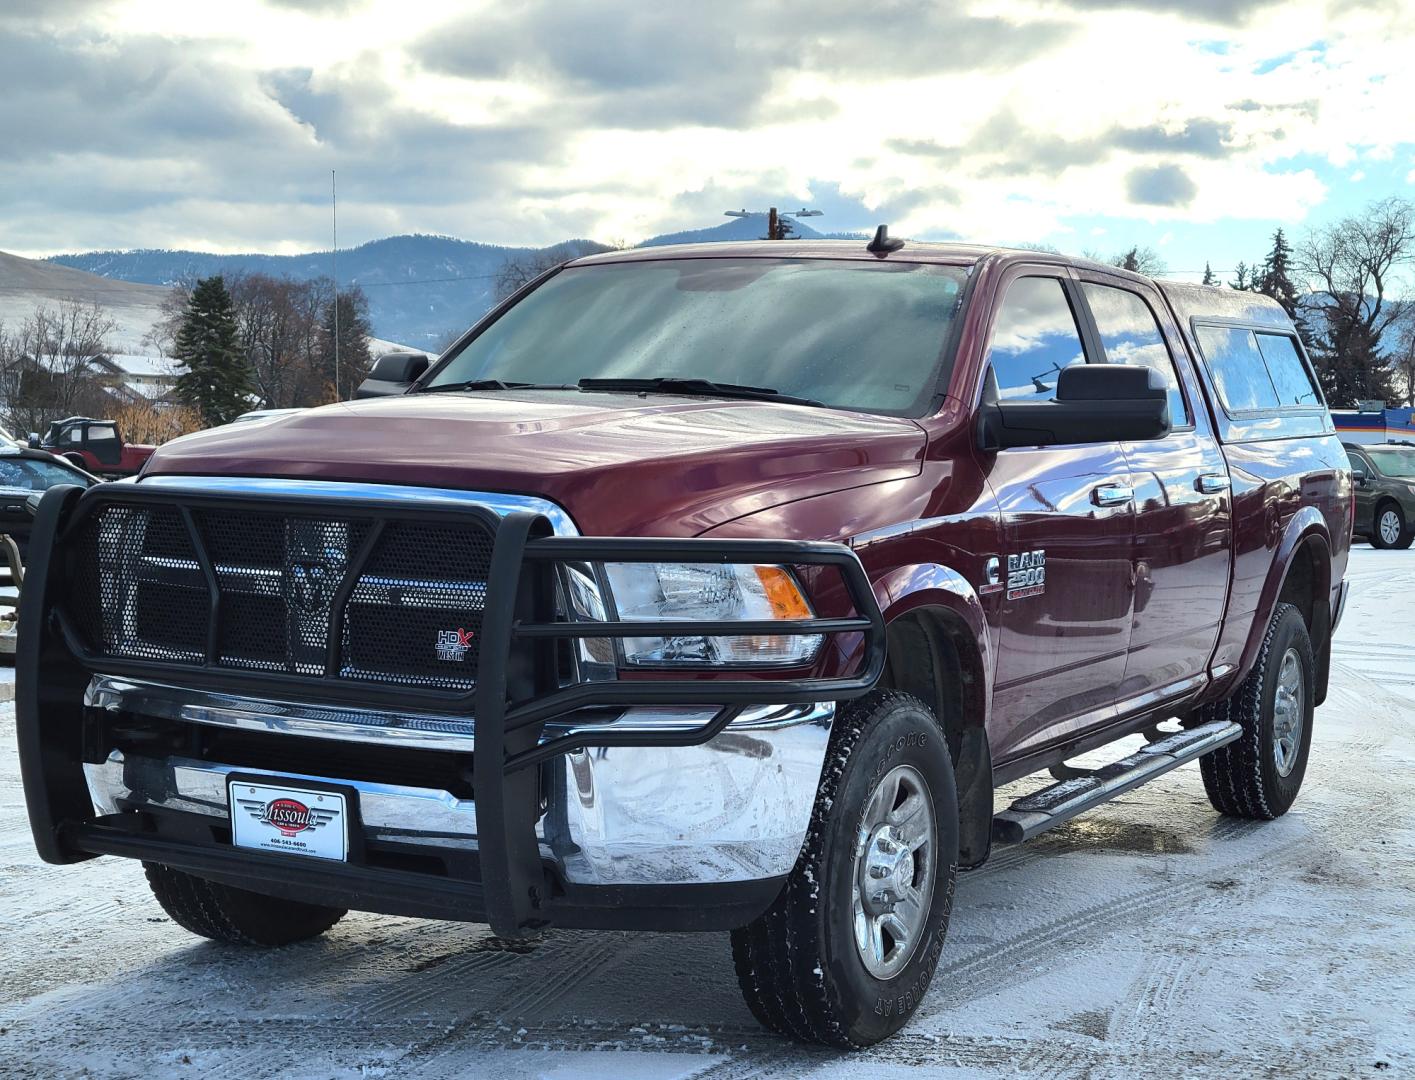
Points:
(1391, 530)
(1259, 774)
(847, 951)
(235, 916)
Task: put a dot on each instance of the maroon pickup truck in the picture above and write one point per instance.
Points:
(700, 588)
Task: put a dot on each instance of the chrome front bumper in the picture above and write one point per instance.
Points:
(735, 808)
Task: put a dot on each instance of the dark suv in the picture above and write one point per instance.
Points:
(700, 588)
(1385, 492)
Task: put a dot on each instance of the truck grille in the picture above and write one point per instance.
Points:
(411, 616)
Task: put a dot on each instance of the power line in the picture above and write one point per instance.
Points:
(422, 281)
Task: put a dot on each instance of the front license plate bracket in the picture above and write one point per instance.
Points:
(294, 816)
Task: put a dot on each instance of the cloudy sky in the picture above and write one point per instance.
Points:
(1193, 126)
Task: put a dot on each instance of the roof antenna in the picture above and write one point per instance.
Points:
(883, 243)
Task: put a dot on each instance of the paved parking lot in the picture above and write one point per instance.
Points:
(1150, 937)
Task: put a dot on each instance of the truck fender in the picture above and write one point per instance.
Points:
(1307, 526)
(944, 600)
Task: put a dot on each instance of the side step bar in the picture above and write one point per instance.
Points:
(1061, 802)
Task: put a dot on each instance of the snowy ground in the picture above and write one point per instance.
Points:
(1149, 938)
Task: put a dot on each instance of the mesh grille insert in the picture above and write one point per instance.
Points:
(413, 617)
(415, 613)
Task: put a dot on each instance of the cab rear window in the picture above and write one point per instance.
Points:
(1256, 371)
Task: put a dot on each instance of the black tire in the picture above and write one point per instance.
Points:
(1243, 779)
(1402, 532)
(235, 916)
(798, 965)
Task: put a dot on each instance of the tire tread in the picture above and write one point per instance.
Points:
(235, 916)
(778, 961)
(1233, 774)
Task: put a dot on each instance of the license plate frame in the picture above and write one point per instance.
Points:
(313, 819)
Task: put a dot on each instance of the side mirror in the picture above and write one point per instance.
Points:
(1359, 475)
(1094, 403)
(34, 440)
(392, 373)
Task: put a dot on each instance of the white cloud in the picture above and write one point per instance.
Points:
(994, 120)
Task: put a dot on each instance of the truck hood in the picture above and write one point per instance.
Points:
(621, 464)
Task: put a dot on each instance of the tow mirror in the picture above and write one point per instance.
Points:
(34, 440)
(1094, 403)
(392, 373)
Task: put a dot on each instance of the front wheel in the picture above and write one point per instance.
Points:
(845, 954)
(235, 916)
(1391, 530)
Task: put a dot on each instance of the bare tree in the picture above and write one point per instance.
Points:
(1351, 264)
(162, 335)
(52, 366)
(1403, 358)
(1142, 260)
(520, 271)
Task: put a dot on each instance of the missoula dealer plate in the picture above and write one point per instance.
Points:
(289, 818)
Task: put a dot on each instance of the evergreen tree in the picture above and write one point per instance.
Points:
(1274, 280)
(1349, 366)
(1209, 277)
(215, 378)
(1242, 278)
(343, 374)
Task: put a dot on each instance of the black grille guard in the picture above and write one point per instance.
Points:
(518, 689)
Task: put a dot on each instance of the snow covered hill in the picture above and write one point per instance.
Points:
(27, 283)
(419, 288)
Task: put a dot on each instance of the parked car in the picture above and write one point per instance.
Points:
(96, 445)
(701, 588)
(1385, 492)
(23, 473)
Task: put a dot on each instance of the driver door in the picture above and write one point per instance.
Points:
(101, 440)
(1068, 532)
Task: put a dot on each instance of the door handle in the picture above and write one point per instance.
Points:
(1213, 483)
(1112, 495)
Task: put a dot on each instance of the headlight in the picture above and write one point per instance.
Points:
(673, 592)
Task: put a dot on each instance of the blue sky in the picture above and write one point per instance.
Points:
(1194, 127)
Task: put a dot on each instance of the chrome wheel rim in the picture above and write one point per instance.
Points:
(1390, 526)
(893, 876)
(1289, 712)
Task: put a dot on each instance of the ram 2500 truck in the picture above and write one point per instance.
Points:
(700, 588)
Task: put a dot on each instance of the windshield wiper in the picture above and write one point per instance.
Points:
(696, 388)
(492, 384)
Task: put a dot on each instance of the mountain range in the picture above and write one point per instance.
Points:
(420, 288)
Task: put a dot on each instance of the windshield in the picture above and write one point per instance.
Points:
(31, 474)
(1398, 463)
(852, 335)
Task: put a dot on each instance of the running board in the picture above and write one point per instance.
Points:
(1062, 801)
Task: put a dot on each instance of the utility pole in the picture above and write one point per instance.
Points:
(776, 223)
(334, 260)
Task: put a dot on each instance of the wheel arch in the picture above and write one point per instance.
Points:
(1300, 575)
(939, 650)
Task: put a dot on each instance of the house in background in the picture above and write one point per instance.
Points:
(131, 377)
